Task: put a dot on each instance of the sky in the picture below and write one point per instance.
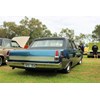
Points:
(80, 24)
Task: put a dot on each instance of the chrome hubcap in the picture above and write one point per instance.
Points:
(68, 68)
(80, 61)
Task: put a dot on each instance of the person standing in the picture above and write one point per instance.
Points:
(81, 46)
(95, 51)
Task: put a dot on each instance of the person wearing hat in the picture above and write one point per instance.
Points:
(95, 50)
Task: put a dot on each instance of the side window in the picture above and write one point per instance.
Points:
(7, 43)
(74, 46)
(14, 44)
(70, 45)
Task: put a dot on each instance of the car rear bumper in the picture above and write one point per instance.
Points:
(35, 65)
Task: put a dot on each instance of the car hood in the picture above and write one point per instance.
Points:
(21, 40)
(38, 55)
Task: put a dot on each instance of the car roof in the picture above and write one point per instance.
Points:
(46, 38)
(5, 39)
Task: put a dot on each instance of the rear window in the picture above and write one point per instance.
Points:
(47, 43)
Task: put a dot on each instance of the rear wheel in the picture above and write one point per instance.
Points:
(1, 61)
(80, 62)
(67, 69)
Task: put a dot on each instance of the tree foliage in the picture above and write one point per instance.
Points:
(36, 29)
(27, 27)
(67, 33)
(96, 33)
(83, 38)
(55, 35)
(80, 39)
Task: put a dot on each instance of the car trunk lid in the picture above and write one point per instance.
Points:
(35, 55)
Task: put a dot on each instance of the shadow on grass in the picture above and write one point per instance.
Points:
(3, 65)
(44, 73)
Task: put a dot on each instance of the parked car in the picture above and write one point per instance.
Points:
(90, 51)
(10, 44)
(47, 53)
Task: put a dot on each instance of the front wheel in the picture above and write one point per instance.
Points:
(67, 69)
(1, 61)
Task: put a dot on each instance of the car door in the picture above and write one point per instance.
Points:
(76, 52)
(71, 52)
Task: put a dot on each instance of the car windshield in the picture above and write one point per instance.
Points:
(47, 43)
(0, 42)
(14, 44)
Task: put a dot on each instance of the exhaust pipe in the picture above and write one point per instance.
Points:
(13, 67)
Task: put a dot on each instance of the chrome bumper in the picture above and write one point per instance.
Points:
(34, 65)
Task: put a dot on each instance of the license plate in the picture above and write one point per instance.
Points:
(30, 65)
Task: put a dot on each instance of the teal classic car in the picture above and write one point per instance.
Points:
(47, 53)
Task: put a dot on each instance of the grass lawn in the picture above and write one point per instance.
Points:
(87, 72)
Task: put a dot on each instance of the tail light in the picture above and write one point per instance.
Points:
(26, 46)
(8, 53)
(56, 55)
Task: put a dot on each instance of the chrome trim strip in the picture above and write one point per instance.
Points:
(37, 65)
(31, 58)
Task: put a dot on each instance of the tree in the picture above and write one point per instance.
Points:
(27, 27)
(77, 40)
(96, 33)
(3, 33)
(35, 28)
(54, 35)
(67, 33)
(9, 28)
(89, 38)
(82, 38)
